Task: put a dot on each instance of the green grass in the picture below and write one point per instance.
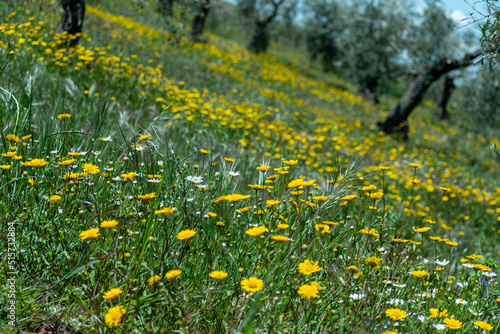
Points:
(205, 105)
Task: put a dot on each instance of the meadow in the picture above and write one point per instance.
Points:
(153, 185)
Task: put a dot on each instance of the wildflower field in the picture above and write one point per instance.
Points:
(152, 185)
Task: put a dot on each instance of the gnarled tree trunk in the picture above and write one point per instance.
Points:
(260, 39)
(72, 20)
(442, 111)
(418, 87)
(199, 22)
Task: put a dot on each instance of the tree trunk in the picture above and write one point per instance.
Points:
(199, 22)
(165, 7)
(260, 39)
(441, 110)
(72, 20)
(417, 89)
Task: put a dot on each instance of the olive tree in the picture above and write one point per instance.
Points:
(72, 21)
(373, 41)
(323, 28)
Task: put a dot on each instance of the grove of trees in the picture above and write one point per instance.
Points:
(373, 43)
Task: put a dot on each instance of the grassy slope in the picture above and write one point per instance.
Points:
(129, 78)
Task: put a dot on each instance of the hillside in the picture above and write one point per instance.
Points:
(151, 138)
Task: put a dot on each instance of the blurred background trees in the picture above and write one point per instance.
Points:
(387, 50)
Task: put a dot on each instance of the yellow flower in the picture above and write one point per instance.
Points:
(272, 202)
(419, 273)
(108, 223)
(66, 162)
(256, 231)
(245, 209)
(383, 167)
(372, 232)
(373, 261)
(204, 151)
(369, 188)
(452, 323)
(400, 241)
(173, 273)
(320, 198)
(55, 199)
(72, 175)
(89, 234)
(434, 313)
(422, 229)
(352, 269)
(35, 163)
(26, 137)
(283, 226)
(280, 238)
(63, 116)
(308, 267)
(147, 197)
(111, 294)
(332, 223)
(323, 228)
(308, 183)
(165, 211)
(308, 291)
(252, 284)
(295, 183)
(92, 169)
(152, 281)
(145, 137)
(211, 214)
(349, 197)
(229, 159)
(256, 186)
(483, 325)
(186, 234)
(395, 314)
(482, 267)
(31, 181)
(129, 176)
(114, 315)
(5, 166)
(414, 165)
(74, 154)
(282, 170)
(218, 274)
(376, 195)
(452, 243)
(9, 155)
(232, 198)
(290, 162)
(263, 169)
(12, 137)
